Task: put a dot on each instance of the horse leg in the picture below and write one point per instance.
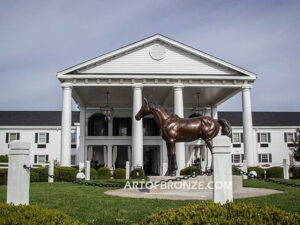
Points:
(209, 145)
(173, 159)
(169, 160)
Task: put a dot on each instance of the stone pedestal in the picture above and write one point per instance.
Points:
(18, 179)
(222, 175)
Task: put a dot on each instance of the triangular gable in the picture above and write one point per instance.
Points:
(157, 55)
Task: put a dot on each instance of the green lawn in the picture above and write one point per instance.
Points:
(91, 205)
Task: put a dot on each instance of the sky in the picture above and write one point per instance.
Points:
(39, 38)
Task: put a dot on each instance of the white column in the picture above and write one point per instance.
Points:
(127, 170)
(51, 171)
(249, 151)
(222, 175)
(137, 127)
(88, 170)
(179, 110)
(285, 169)
(18, 178)
(81, 147)
(109, 157)
(214, 112)
(66, 125)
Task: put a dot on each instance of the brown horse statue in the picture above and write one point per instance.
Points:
(175, 129)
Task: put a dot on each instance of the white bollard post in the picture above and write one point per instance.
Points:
(245, 169)
(127, 170)
(18, 179)
(285, 169)
(87, 170)
(222, 171)
(51, 171)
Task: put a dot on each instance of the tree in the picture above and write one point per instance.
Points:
(296, 146)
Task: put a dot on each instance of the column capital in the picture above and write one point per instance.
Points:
(178, 86)
(137, 85)
(246, 86)
(66, 85)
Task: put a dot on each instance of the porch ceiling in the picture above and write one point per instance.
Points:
(121, 97)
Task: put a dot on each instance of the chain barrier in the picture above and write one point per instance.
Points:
(265, 179)
(176, 179)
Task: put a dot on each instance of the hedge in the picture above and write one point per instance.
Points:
(190, 170)
(235, 170)
(258, 170)
(68, 173)
(93, 173)
(275, 172)
(3, 178)
(119, 173)
(33, 215)
(295, 172)
(3, 158)
(137, 174)
(104, 173)
(229, 213)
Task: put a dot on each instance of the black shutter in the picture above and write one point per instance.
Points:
(285, 137)
(269, 137)
(35, 158)
(47, 157)
(231, 158)
(36, 137)
(18, 136)
(270, 158)
(295, 137)
(7, 138)
(259, 158)
(243, 157)
(47, 138)
(242, 137)
(231, 137)
(258, 137)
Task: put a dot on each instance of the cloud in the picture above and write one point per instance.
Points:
(39, 38)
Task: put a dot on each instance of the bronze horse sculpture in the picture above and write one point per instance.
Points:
(175, 129)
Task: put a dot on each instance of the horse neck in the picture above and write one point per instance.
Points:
(160, 116)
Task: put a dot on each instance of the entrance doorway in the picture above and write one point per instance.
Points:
(96, 155)
(151, 159)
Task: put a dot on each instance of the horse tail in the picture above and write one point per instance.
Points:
(226, 127)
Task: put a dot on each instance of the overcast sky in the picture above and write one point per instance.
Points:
(40, 38)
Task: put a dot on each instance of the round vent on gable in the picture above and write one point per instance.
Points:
(157, 52)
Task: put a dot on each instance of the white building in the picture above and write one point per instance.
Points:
(166, 72)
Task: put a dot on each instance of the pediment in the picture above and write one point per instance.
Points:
(157, 55)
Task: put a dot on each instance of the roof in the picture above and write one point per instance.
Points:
(161, 38)
(33, 118)
(264, 118)
(53, 118)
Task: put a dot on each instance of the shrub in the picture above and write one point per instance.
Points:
(235, 170)
(34, 176)
(104, 173)
(295, 172)
(137, 173)
(229, 213)
(44, 170)
(68, 173)
(119, 173)
(3, 158)
(34, 215)
(275, 172)
(3, 178)
(93, 173)
(258, 170)
(190, 170)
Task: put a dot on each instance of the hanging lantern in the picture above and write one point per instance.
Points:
(107, 110)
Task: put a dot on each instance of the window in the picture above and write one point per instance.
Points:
(41, 158)
(73, 137)
(265, 158)
(73, 159)
(236, 158)
(264, 137)
(289, 137)
(236, 137)
(42, 138)
(12, 137)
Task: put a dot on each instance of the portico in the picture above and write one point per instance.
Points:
(164, 71)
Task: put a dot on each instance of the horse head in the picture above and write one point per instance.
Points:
(145, 110)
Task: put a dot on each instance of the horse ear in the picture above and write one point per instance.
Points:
(145, 100)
